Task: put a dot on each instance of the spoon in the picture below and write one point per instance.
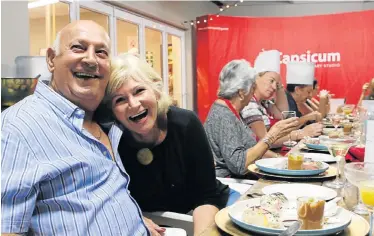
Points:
(292, 229)
(331, 207)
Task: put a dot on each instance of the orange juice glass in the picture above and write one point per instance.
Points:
(295, 160)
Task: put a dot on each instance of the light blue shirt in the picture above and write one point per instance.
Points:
(58, 179)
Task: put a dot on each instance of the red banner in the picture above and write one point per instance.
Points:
(341, 45)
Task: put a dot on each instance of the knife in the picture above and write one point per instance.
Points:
(292, 229)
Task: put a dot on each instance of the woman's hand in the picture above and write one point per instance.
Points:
(153, 228)
(365, 87)
(283, 128)
(312, 130)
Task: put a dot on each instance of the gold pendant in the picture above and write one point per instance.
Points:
(145, 156)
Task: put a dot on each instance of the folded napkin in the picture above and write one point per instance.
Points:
(355, 154)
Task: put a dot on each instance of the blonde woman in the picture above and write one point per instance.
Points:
(163, 148)
(260, 114)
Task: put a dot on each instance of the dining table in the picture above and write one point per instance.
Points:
(255, 189)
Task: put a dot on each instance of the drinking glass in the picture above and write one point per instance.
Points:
(347, 109)
(287, 115)
(310, 211)
(295, 161)
(355, 176)
(338, 148)
(366, 186)
(335, 120)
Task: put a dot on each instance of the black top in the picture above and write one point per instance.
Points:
(181, 176)
(369, 97)
(292, 105)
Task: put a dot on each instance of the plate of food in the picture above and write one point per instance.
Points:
(314, 143)
(333, 131)
(295, 190)
(340, 138)
(327, 158)
(282, 166)
(265, 216)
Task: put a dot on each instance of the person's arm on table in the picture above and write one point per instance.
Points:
(280, 129)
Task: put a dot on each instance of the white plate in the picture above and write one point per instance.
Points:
(236, 213)
(326, 131)
(320, 157)
(277, 166)
(293, 191)
(319, 146)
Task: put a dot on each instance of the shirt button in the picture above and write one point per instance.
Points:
(105, 153)
(172, 185)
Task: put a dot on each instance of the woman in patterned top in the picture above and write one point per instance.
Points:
(261, 112)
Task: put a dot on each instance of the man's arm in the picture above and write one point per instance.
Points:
(18, 171)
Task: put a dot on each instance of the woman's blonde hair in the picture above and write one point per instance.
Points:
(128, 66)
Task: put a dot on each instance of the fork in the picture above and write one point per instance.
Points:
(253, 195)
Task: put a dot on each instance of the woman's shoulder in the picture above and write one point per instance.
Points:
(181, 116)
(219, 111)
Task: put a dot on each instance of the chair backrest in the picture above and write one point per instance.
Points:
(335, 103)
(172, 219)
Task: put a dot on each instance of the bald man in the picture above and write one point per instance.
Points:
(61, 174)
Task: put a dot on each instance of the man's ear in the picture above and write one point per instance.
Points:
(51, 55)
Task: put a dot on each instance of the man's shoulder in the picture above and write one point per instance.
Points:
(28, 110)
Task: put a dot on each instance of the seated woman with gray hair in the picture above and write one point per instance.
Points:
(163, 148)
(233, 143)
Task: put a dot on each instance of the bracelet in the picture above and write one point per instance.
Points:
(268, 140)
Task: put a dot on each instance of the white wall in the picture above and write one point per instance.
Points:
(268, 9)
(14, 33)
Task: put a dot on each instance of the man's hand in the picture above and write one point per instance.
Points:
(153, 228)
